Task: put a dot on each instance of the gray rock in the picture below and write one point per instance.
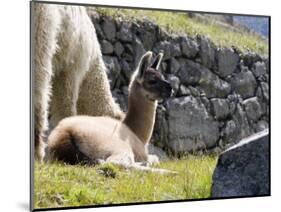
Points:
(193, 91)
(263, 78)
(125, 34)
(261, 125)
(252, 108)
(138, 50)
(206, 51)
(146, 33)
(244, 83)
(109, 29)
(160, 132)
(250, 58)
(206, 103)
(99, 31)
(266, 61)
(220, 108)
(265, 92)
(183, 91)
(148, 39)
(162, 34)
(243, 170)
(182, 61)
(125, 91)
(175, 82)
(152, 149)
(189, 72)
(112, 69)
(232, 107)
(165, 47)
(175, 49)
(129, 53)
(230, 132)
(163, 67)
(242, 129)
(118, 49)
(126, 69)
(264, 107)
(227, 61)
(120, 99)
(189, 47)
(174, 66)
(170, 49)
(190, 126)
(106, 47)
(212, 85)
(259, 69)
(121, 80)
(259, 92)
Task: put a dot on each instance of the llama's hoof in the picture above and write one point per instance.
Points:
(152, 160)
(40, 152)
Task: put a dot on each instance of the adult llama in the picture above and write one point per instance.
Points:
(69, 75)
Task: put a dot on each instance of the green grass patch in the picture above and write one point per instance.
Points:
(60, 185)
(179, 22)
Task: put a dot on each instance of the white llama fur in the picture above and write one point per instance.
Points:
(69, 73)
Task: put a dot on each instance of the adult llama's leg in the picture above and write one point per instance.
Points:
(44, 28)
(65, 94)
(95, 97)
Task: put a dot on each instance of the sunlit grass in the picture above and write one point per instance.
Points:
(60, 185)
(179, 22)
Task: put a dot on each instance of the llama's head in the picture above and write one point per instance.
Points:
(149, 80)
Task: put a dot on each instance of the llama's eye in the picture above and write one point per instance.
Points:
(152, 82)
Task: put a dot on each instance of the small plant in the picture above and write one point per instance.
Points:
(108, 170)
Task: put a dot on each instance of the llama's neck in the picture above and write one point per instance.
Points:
(140, 117)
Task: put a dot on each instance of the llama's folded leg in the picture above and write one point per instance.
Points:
(95, 97)
(152, 159)
(127, 162)
(123, 160)
(149, 169)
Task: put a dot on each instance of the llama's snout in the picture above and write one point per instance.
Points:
(168, 90)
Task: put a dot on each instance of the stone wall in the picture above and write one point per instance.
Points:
(221, 95)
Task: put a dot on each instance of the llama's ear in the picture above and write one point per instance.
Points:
(144, 63)
(157, 61)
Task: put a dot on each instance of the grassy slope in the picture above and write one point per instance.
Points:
(181, 23)
(58, 185)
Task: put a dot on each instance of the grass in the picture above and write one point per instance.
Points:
(60, 185)
(179, 22)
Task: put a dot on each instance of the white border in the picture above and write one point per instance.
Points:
(14, 105)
